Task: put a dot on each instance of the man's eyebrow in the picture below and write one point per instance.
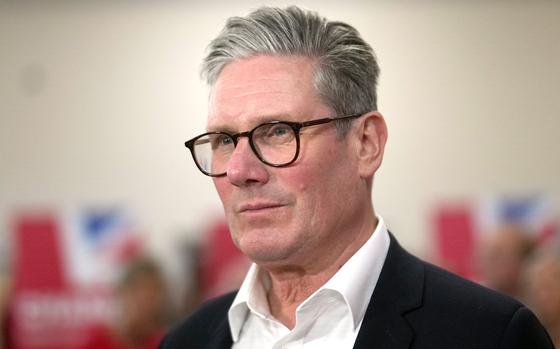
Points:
(220, 128)
(255, 122)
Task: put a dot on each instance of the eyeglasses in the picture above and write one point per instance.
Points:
(275, 143)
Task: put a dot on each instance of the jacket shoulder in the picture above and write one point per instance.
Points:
(439, 291)
(456, 307)
(465, 295)
(443, 310)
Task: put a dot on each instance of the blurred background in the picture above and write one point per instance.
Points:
(102, 208)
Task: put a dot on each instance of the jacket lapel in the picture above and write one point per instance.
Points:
(221, 336)
(398, 291)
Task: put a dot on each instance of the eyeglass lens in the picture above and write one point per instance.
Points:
(274, 144)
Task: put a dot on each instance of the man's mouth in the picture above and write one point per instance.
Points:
(255, 207)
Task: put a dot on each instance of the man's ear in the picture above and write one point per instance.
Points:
(372, 136)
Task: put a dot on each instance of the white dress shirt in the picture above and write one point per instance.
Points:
(330, 318)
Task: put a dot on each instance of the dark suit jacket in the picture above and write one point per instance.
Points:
(414, 305)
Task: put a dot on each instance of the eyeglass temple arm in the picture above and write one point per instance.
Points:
(325, 120)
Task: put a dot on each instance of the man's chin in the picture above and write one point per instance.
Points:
(264, 253)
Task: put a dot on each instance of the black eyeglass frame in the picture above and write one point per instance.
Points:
(295, 126)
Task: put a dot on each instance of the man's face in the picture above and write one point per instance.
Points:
(295, 213)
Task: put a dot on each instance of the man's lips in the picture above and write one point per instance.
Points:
(258, 206)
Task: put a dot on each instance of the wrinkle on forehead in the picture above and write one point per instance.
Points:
(241, 93)
(234, 88)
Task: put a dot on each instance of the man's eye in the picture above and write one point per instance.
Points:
(221, 141)
(225, 140)
(279, 131)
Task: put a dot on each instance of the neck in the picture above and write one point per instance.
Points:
(290, 285)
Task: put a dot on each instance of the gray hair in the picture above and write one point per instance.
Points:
(346, 68)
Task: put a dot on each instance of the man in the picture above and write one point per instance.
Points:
(293, 141)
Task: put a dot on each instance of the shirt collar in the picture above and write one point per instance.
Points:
(357, 278)
(251, 291)
(355, 281)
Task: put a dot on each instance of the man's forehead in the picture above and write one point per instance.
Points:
(263, 74)
(265, 64)
(261, 89)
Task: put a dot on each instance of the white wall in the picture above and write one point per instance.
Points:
(97, 98)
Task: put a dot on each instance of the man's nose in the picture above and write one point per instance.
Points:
(244, 168)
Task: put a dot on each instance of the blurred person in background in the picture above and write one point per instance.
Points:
(543, 290)
(503, 254)
(141, 302)
(222, 267)
(219, 267)
(293, 141)
(4, 289)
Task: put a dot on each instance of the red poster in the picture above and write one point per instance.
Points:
(455, 239)
(46, 310)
